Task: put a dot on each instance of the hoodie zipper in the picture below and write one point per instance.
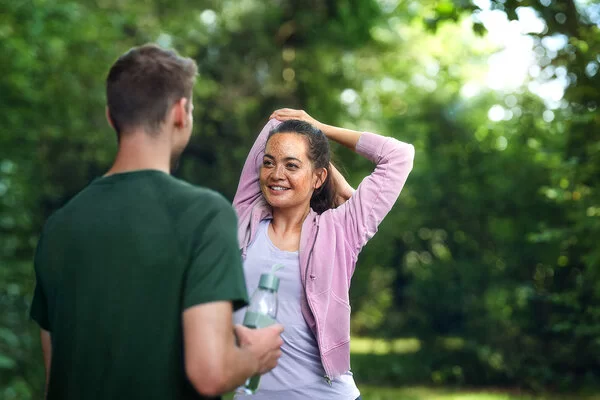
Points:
(327, 378)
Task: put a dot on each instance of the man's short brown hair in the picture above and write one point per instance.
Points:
(144, 83)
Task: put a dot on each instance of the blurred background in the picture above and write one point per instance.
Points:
(484, 280)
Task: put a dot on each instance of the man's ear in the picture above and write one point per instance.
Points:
(321, 177)
(180, 113)
(109, 118)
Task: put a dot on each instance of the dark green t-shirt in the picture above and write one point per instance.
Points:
(115, 269)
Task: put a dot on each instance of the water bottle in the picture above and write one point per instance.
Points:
(261, 313)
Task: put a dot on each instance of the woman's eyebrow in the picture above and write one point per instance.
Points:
(285, 159)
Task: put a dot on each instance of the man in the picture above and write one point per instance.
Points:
(138, 275)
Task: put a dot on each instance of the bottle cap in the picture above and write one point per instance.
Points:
(269, 282)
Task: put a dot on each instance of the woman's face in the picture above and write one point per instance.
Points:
(287, 176)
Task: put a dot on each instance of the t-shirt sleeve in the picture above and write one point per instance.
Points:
(215, 272)
(39, 305)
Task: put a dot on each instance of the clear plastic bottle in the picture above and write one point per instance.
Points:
(261, 313)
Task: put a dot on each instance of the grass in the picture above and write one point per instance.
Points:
(425, 393)
(361, 345)
(396, 370)
(407, 362)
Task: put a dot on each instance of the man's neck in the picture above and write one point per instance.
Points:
(140, 151)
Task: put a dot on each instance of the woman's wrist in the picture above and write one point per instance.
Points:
(322, 127)
(346, 137)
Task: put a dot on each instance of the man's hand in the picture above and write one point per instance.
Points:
(264, 343)
(214, 364)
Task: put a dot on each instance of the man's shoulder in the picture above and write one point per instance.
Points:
(183, 201)
(200, 196)
(195, 207)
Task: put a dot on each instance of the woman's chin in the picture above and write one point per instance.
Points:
(280, 203)
(277, 203)
(283, 200)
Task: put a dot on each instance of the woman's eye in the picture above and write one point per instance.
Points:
(267, 163)
(292, 166)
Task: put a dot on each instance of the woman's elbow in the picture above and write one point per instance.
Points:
(408, 151)
(402, 156)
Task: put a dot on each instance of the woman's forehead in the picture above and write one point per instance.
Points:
(287, 145)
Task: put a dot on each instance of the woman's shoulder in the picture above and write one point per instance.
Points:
(329, 222)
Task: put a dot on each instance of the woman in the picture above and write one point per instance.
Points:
(286, 204)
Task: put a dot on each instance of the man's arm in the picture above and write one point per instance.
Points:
(214, 363)
(47, 351)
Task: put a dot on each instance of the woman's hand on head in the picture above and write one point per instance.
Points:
(284, 114)
(343, 190)
(345, 137)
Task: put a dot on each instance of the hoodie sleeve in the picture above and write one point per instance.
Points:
(377, 193)
(248, 190)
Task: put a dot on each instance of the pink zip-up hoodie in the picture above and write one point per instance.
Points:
(330, 242)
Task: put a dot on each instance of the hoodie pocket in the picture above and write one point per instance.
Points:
(337, 323)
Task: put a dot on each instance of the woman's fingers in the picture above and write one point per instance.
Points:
(289, 113)
(284, 114)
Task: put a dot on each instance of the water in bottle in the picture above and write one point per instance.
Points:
(261, 313)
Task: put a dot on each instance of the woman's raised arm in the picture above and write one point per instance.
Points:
(248, 188)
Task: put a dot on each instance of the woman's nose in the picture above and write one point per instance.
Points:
(278, 172)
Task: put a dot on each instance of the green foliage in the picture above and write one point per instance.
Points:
(494, 240)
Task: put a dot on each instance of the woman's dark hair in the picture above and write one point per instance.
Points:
(319, 154)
